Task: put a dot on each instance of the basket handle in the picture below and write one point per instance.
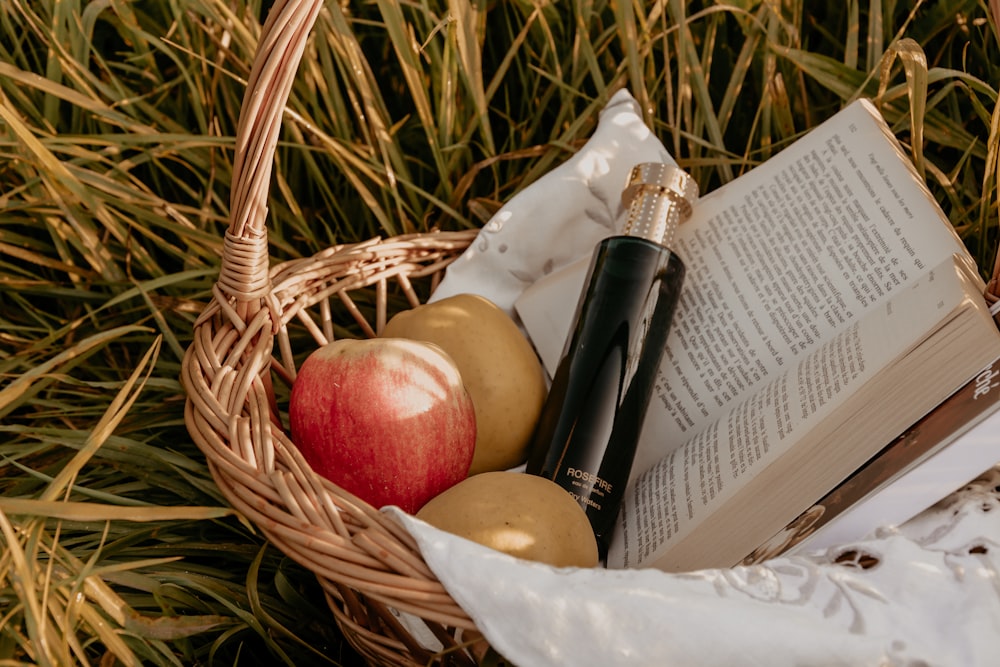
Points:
(244, 272)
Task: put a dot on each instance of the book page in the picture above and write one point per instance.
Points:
(786, 259)
(778, 261)
(678, 493)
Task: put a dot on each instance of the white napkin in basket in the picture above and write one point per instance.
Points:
(560, 217)
(928, 601)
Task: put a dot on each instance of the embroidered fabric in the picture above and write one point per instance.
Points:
(925, 593)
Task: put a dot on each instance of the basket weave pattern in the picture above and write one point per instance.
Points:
(368, 567)
(366, 563)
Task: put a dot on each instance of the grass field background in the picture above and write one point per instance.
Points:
(116, 150)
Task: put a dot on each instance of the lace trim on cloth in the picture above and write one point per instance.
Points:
(926, 593)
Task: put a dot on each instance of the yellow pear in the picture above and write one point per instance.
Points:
(519, 514)
(499, 367)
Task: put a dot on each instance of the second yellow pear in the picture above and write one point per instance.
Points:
(498, 366)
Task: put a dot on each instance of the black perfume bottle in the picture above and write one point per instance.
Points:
(587, 434)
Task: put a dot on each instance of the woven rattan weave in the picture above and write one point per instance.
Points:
(367, 565)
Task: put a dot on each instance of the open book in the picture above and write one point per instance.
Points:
(828, 306)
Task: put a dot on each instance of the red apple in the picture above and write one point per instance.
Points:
(387, 419)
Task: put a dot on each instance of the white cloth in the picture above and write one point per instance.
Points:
(931, 598)
(561, 216)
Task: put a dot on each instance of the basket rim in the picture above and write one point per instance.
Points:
(232, 414)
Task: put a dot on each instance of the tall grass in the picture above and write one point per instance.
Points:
(116, 153)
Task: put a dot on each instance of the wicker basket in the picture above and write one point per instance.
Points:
(369, 567)
(375, 580)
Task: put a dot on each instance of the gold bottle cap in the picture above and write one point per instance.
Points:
(658, 197)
